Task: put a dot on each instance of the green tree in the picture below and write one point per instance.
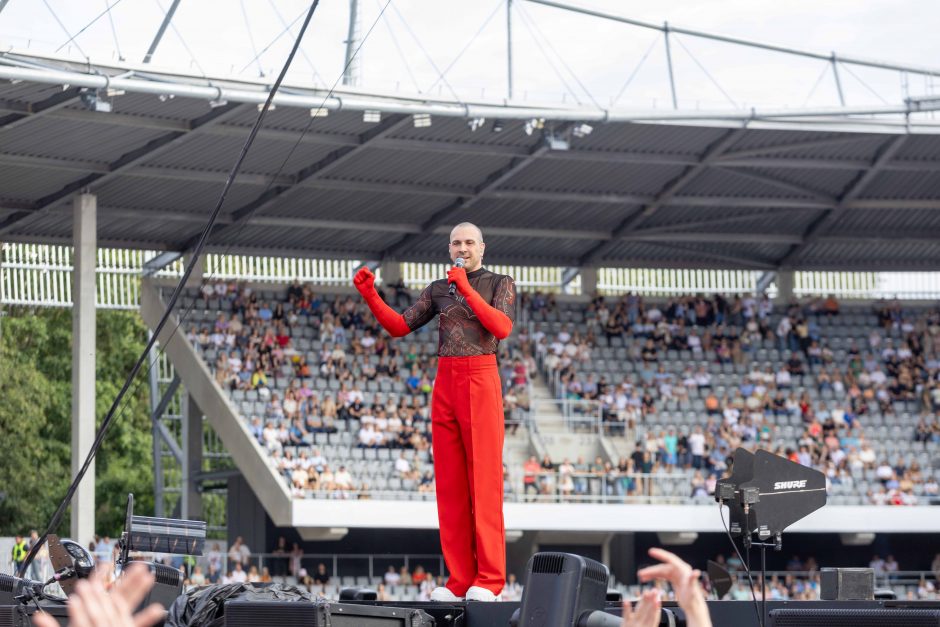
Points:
(35, 418)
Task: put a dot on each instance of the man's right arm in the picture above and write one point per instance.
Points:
(391, 320)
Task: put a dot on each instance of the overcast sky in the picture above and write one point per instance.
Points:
(553, 50)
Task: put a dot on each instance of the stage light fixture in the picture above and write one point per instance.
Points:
(582, 130)
(94, 102)
(218, 102)
(261, 106)
(476, 123)
(371, 116)
(422, 120)
(535, 124)
(498, 126)
(318, 112)
(556, 142)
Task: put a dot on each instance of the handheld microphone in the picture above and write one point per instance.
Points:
(458, 262)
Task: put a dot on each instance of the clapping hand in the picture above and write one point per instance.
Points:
(93, 605)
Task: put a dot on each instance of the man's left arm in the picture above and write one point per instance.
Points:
(496, 318)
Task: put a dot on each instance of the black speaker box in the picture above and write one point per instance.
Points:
(846, 584)
(302, 614)
(885, 617)
(559, 588)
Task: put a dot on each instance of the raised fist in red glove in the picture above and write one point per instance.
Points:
(364, 281)
(458, 276)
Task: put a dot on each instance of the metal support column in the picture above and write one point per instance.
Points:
(588, 280)
(191, 501)
(155, 398)
(835, 75)
(84, 293)
(509, 49)
(351, 67)
(784, 285)
(672, 78)
(161, 31)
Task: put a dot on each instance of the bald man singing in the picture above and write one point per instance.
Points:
(466, 410)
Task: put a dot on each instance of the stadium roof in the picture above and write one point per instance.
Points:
(758, 190)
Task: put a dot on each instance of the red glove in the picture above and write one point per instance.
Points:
(364, 281)
(391, 320)
(458, 276)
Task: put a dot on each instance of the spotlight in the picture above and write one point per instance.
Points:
(422, 120)
(497, 126)
(319, 112)
(261, 106)
(94, 102)
(372, 117)
(476, 123)
(533, 125)
(556, 142)
(582, 130)
(114, 92)
(165, 97)
(218, 102)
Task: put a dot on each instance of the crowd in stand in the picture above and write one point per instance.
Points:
(253, 340)
(898, 363)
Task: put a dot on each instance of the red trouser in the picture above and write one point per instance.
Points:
(467, 430)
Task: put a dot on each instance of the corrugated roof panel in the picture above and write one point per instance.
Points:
(919, 148)
(886, 222)
(598, 178)
(24, 184)
(736, 220)
(66, 139)
(324, 204)
(724, 182)
(457, 130)
(25, 92)
(873, 255)
(921, 185)
(136, 192)
(651, 138)
(152, 106)
(432, 169)
(313, 239)
(826, 181)
(540, 214)
(218, 153)
(845, 145)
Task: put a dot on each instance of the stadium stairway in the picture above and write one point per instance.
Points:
(552, 436)
(251, 459)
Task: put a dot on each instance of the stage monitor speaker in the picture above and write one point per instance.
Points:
(321, 614)
(884, 617)
(846, 584)
(560, 588)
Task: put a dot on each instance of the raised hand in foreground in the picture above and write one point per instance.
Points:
(93, 605)
(685, 583)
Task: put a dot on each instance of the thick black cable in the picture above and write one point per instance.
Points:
(197, 251)
(747, 569)
(185, 314)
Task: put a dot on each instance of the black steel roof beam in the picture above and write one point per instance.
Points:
(665, 195)
(492, 182)
(305, 175)
(823, 142)
(781, 184)
(735, 261)
(36, 110)
(122, 164)
(852, 191)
